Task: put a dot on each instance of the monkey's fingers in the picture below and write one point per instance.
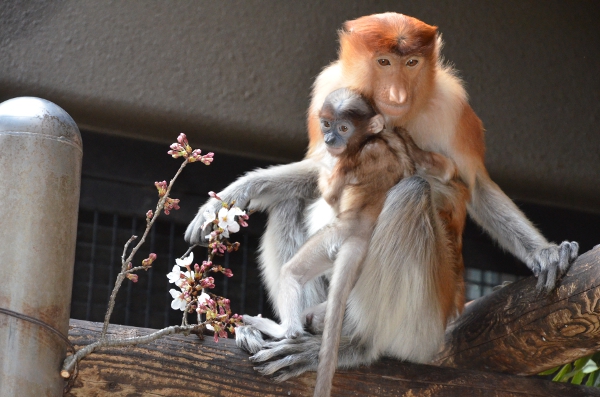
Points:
(290, 366)
(552, 262)
(300, 366)
(271, 367)
(568, 254)
(284, 347)
(195, 233)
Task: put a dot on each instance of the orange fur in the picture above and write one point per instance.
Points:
(428, 101)
(365, 172)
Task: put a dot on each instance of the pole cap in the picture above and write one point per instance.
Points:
(38, 116)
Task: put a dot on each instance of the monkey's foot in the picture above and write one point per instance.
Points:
(550, 263)
(289, 357)
(266, 326)
(249, 339)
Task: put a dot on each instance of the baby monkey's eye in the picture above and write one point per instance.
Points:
(383, 62)
(326, 124)
(412, 62)
(343, 128)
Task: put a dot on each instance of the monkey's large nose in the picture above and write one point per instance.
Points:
(329, 139)
(398, 95)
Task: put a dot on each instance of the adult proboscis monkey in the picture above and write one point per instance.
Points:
(393, 309)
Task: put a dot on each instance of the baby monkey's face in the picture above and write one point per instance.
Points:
(336, 133)
(346, 117)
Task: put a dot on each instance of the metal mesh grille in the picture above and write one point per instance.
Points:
(481, 282)
(100, 239)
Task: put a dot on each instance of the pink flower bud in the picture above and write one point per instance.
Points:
(161, 187)
(182, 139)
(227, 272)
(149, 214)
(226, 302)
(133, 277)
(205, 266)
(171, 204)
(148, 261)
(207, 158)
(207, 282)
(214, 195)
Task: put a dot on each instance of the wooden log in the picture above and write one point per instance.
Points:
(186, 366)
(519, 331)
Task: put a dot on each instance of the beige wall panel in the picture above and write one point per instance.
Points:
(236, 75)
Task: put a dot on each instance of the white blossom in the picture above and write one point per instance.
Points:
(227, 220)
(185, 262)
(209, 217)
(175, 276)
(202, 298)
(179, 301)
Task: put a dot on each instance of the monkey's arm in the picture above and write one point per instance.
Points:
(429, 163)
(260, 190)
(498, 215)
(503, 220)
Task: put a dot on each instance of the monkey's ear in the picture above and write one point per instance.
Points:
(376, 124)
(348, 27)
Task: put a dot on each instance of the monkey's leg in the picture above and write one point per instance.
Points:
(345, 273)
(283, 192)
(313, 259)
(505, 222)
(392, 308)
(283, 237)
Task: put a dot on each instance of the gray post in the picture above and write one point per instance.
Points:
(40, 176)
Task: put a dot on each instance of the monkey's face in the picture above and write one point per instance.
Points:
(336, 134)
(396, 81)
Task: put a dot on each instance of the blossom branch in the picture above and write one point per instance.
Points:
(166, 204)
(125, 262)
(193, 283)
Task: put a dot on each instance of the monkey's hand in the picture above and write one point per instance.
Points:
(314, 318)
(551, 262)
(288, 358)
(260, 190)
(195, 232)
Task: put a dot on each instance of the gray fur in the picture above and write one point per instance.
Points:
(505, 222)
(262, 190)
(382, 300)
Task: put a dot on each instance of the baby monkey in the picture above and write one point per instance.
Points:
(366, 161)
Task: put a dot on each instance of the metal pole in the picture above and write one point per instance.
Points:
(40, 176)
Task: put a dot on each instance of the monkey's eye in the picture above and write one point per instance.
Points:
(383, 62)
(343, 128)
(326, 124)
(412, 62)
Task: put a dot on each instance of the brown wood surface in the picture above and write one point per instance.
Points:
(186, 366)
(517, 330)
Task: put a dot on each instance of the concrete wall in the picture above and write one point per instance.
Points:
(236, 75)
